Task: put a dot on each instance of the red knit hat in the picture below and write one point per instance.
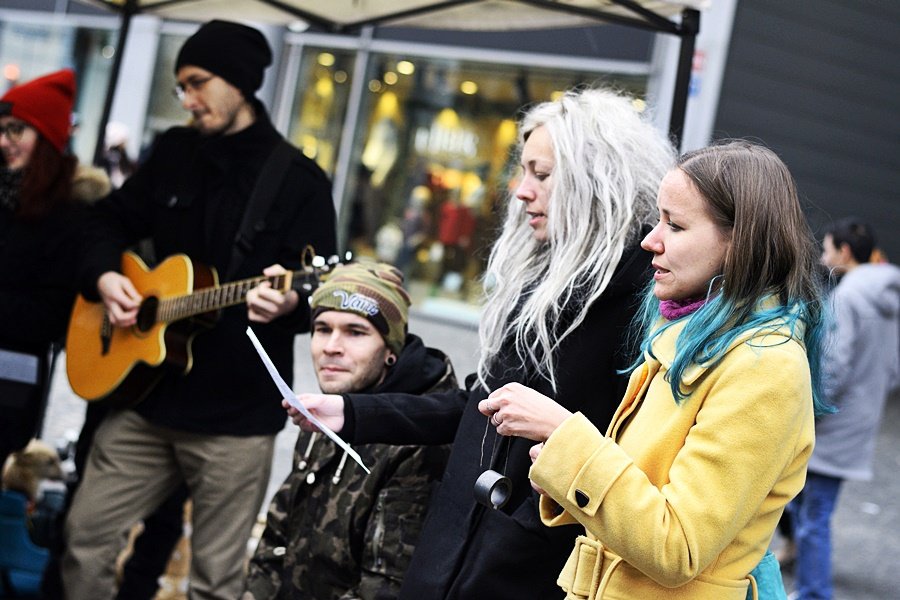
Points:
(46, 104)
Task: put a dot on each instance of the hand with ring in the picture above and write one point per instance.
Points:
(515, 409)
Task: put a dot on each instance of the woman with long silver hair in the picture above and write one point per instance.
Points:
(562, 284)
(603, 163)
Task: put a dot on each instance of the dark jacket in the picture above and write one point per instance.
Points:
(38, 282)
(468, 550)
(189, 197)
(354, 537)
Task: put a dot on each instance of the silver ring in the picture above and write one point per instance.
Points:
(494, 421)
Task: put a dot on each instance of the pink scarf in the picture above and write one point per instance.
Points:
(675, 309)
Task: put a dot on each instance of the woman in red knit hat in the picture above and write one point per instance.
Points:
(42, 199)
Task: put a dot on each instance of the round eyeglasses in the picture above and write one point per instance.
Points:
(13, 130)
(194, 84)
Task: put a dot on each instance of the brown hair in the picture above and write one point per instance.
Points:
(47, 181)
(749, 190)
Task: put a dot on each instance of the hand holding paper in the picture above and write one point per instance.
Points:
(328, 409)
(288, 395)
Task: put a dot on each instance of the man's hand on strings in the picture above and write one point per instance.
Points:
(120, 297)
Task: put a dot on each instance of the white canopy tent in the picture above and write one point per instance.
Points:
(677, 17)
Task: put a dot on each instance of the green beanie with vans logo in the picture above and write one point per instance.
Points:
(371, 290)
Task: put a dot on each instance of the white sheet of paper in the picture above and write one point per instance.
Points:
(288, 394)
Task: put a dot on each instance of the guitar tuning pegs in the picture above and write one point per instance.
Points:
(318, 262)
(348, 256)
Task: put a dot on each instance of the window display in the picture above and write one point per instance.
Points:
(433, 168)
(319, 104)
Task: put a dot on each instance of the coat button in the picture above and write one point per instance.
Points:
(581, 499)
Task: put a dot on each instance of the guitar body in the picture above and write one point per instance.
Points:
(123, 364)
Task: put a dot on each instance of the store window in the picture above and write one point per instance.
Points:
(434, 164)
(29, 50)
(163, 109)
(320, 103)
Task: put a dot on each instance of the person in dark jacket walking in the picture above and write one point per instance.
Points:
(213, 428)
(562, 284)
(43, 200)
(334, 532)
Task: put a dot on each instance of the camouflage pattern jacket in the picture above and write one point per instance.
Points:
(332, 531)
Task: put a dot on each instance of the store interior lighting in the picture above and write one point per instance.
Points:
(468, 87)
(11, 72)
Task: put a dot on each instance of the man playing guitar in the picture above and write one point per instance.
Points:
(212, 428)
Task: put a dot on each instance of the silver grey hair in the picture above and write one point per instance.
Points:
(609, 162)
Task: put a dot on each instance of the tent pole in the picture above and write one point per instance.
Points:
(128, 11)
(690, 25)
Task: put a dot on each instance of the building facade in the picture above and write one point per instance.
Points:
(415, 127)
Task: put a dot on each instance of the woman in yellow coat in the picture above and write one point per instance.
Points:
(681, 497)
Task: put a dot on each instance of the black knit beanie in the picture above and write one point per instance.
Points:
(237, 53)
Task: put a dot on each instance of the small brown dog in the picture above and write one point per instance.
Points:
(24, 470)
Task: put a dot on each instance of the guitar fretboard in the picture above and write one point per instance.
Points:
(214, 298)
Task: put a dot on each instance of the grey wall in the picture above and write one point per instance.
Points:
(599, 41)
(819, 82)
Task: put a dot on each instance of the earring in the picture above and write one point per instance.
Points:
(390, 360)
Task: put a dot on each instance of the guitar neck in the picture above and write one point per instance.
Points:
(214, 298)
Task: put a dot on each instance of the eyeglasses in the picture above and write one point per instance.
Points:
(13, 131)
(194, 84)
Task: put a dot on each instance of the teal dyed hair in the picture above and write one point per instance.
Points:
(711, 330)
(772, 256)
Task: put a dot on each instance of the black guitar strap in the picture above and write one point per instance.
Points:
(265, 190)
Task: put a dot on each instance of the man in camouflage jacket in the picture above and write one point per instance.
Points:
(332, 531)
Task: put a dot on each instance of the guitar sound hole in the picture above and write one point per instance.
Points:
(146, 317)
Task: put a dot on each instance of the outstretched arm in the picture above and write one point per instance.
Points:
(328, 408)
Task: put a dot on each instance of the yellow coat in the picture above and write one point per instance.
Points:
(681, 501)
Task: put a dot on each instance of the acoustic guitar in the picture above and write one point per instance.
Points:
(180, 299)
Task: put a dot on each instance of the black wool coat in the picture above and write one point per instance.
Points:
(468, 550)
(189, 197)
(38, 282)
